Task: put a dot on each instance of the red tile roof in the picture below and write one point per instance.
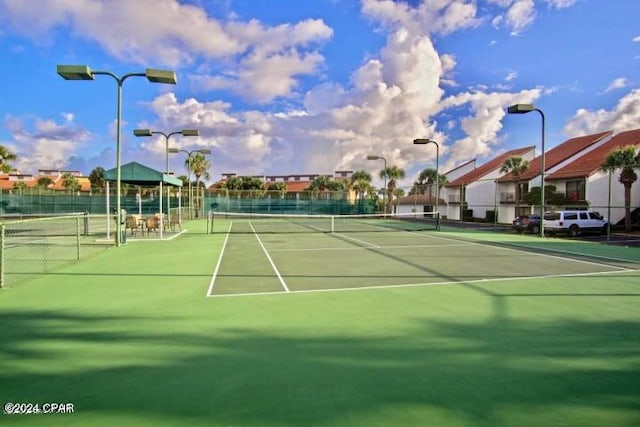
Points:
(297, 186)
(591, 162)
(557, 155)
(6, 183)
(460, 166)
(292, 186)
(491, 165)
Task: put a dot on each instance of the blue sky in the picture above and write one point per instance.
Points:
(286, 87)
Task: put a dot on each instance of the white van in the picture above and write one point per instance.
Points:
(574, 222)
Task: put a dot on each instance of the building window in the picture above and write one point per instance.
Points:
(521, 189)
(575, 190)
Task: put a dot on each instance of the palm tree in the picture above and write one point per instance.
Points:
(200, 166)
(44, 182)
(320, 183)
(279, 188)
(627, 159)
(96, 178)
(5, 156)
(70, 182)
(393, 173)
(516, 166)
(426, 179)
(20, 186)
(360, 181)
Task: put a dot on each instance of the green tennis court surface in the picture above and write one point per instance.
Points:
(501, 330)
(257, 259)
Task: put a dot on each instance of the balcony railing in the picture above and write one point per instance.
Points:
(454, 199)
(508, 198)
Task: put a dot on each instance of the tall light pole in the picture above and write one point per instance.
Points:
(83, 72)
(167, 136)
(202, 151)
(424, 141)
(384, 198)
(523, 109)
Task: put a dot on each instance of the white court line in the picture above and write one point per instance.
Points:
(419, 285)
(284, 285)
(215, 272)
(351, 248)
(371, 245)
(528, 250)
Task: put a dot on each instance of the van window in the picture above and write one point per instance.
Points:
(570, 215)
(595, 215)
(583, 215)
(552, 216)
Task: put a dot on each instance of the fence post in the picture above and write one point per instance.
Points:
(78, 238)
(609, 209)
(1, 255)
(86, 223)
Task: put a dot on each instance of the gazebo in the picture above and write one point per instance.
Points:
(135, 173)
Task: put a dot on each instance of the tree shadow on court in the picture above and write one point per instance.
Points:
(430, 373)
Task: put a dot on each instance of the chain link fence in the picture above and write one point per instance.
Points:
(30, 247)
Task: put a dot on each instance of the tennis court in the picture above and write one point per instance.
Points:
(270, 254)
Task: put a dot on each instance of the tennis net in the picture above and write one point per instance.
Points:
(234, 222)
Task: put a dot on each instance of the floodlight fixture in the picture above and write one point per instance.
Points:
(75, 72)
(142, 132)
(521, 108)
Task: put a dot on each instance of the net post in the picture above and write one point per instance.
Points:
(2, 227)
(333, 223)
(77, 238)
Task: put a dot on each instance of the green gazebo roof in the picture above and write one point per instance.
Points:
(137, 174)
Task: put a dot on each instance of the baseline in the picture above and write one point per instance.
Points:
(418, 285)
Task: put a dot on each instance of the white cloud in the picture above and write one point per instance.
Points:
(392, 98)
(177, 34)
(636, 39)
(430, 17)
(43, 143)
(497, 21)
(483, 125)
(521, 15)
(512, 75)
(501, 3)
(449, 63)
(624, 116)
(561, 4)
(618, 83)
